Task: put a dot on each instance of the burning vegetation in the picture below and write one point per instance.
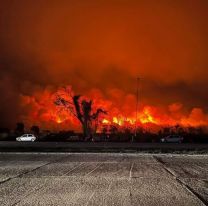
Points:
(64, 110)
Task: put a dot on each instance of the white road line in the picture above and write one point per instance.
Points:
(130, 172)
(104, 162)
(93, 170)
(65, 174)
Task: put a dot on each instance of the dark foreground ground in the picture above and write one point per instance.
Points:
(103, 179)
(102, 147)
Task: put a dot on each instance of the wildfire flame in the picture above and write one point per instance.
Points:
(144, 117)
(42, 111)
(59, 120)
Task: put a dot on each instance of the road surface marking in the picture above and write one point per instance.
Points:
(130, 172)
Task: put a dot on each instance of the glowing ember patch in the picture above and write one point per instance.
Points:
(146, 117)
(59, 120)
(105, 121)
(117, 121)
(131, 121)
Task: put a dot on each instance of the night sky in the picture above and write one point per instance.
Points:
(101, 46)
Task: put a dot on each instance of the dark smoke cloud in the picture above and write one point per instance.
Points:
(104, 45)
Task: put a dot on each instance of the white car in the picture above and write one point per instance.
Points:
(172, 139)
(26, 137)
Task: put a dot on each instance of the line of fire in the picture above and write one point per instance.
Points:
(63, 115)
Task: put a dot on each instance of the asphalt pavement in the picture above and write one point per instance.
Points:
(102, 147)
(103, 179)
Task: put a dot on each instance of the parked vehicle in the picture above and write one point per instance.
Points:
(26, 138)
(172, 139)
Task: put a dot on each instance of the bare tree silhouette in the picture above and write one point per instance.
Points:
(80, 108)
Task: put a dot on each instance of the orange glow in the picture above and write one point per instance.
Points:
(43, 112)
(105, 121)
(100, 48)
(59, 120)
(117, 120)
(146, 117)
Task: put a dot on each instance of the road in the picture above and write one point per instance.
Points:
(100, 147)
(103, 179)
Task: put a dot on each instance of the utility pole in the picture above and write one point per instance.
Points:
(137, 107)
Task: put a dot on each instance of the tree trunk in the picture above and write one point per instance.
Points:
(86, 131)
